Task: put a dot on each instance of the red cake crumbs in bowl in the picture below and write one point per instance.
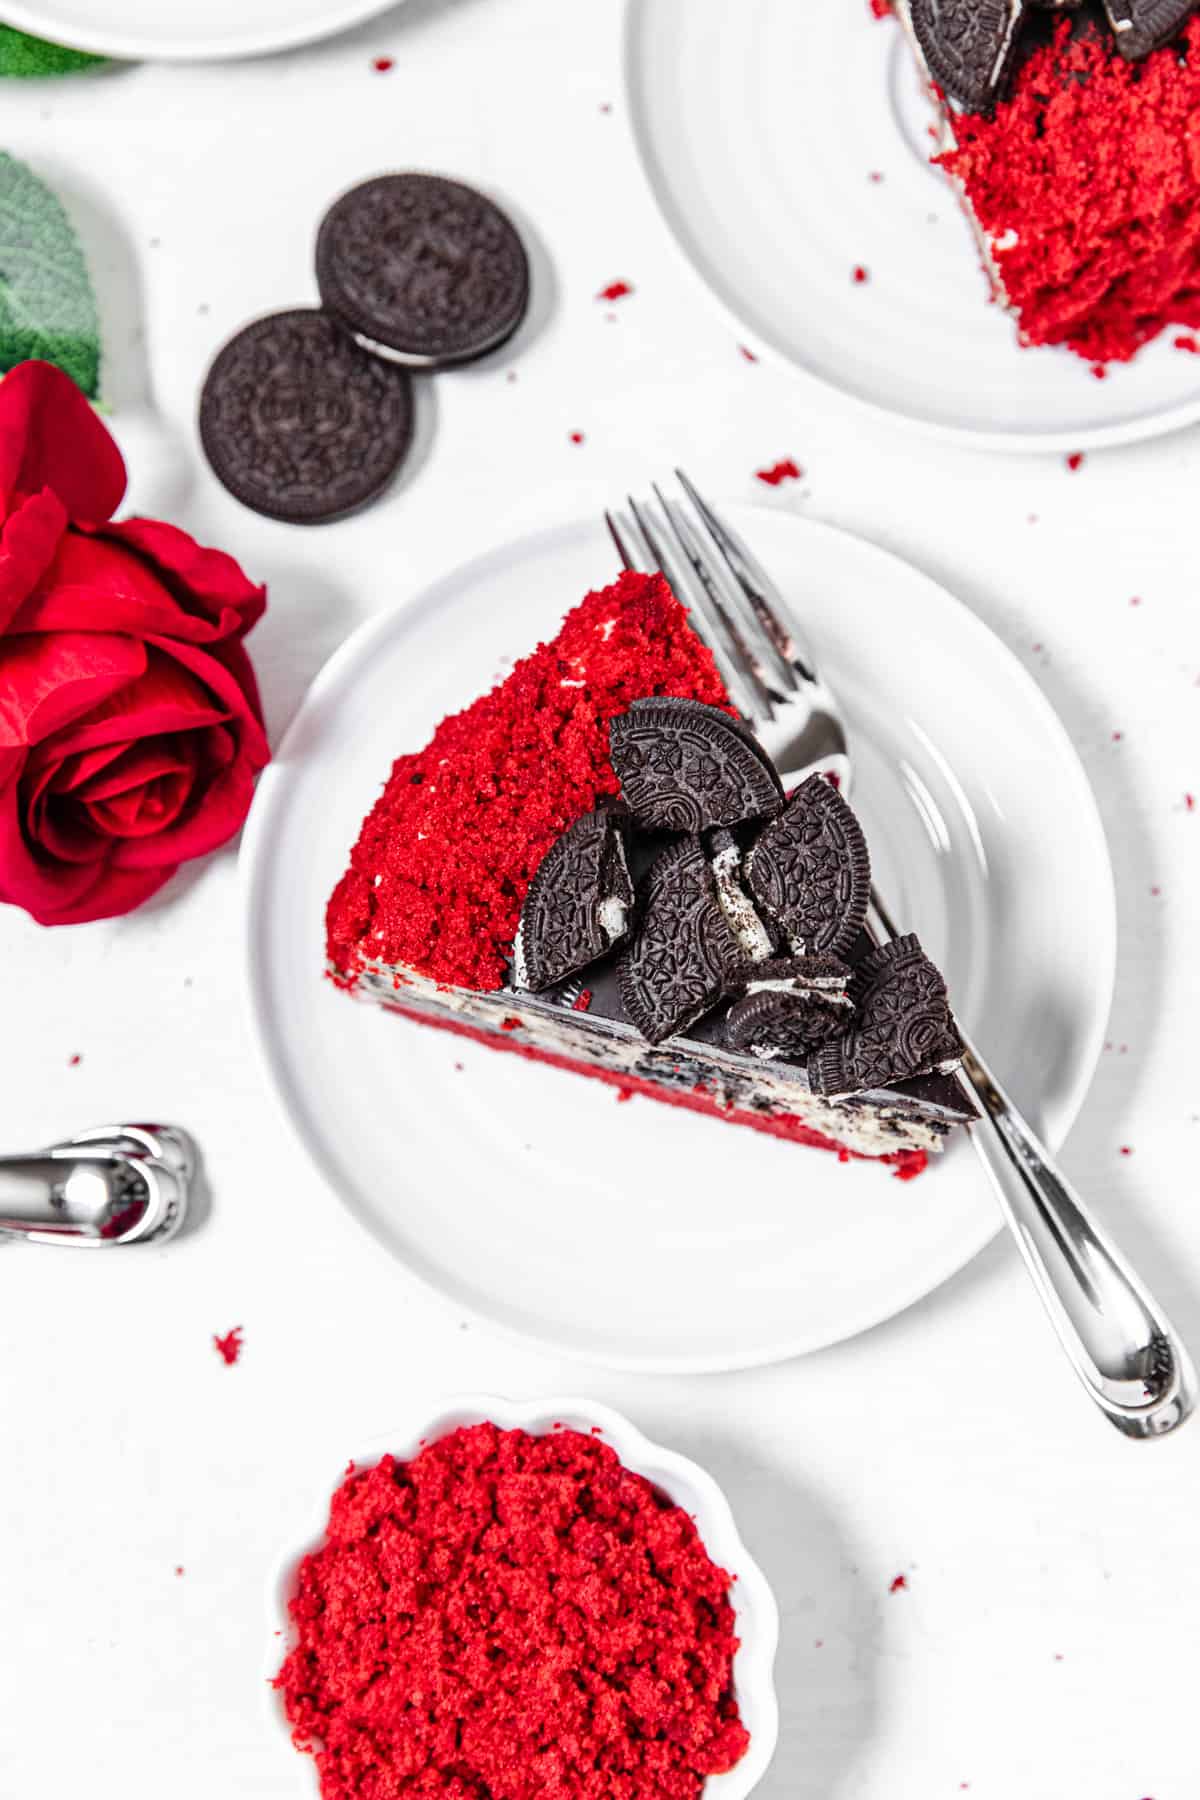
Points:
(444, 859)
(1086, 186)
(518, 1615)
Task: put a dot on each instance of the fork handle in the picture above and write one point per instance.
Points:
(1119, 1341)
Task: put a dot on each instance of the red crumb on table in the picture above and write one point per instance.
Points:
(179, 1568)
(1100, 371)
(624, 1094)
(1156, 891)
(786, 470)
(1075, 460)
(582, 1001)
(382, 64)
(1117, 736)
(747, 353)
(576, 437)
(74, 1060)
(1136, 600)
(858, 274)
(462, 825)
(1189, 802)
(899, 1585)
(1186, 341)
(509, 1615)
(229, 1347)
(1126, 1150)
(616, 290)
(606, 106)
(875, 175)
(1087, 184)
(880, 9)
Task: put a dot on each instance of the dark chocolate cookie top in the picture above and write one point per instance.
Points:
(904, 1025)
(299, 423)
(1141, 26)
(792, 1006)
(968, 45)
(579, 903)
(810, 870)
(684, 766)
(684, 953)
(428, 269)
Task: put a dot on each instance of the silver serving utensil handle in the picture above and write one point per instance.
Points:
(1121, 1345)
(112, 1186)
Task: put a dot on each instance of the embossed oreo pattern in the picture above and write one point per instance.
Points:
(794, 1021)
(562, 923)
(684, 954)
(299, 422)
(904, 1026)
(1141, 26)
(426, 267)
(967, 45)
(684, 766)
(810, 870)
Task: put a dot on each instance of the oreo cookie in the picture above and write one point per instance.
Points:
(422, 270)
(687, 767)
(684, 955)
(791, 1007)
(968, 46)
(1141, 26)
(810, 871)
(299, 423)
(578, 906)
(904, 1025)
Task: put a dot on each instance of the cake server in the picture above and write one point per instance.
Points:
(109, 1187)
(1122, 1346)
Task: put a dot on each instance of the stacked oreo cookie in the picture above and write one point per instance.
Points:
(724, 901)
(307, 414)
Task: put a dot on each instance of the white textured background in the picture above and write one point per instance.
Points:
(1046, 1648)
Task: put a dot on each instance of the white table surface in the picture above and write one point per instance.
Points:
(1046, 1645)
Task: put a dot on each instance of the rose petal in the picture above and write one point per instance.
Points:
(138, 765)
(215, 815)
(42, 886)
(51, 438)
(228, 674)
(30, 537)
(164, 698)
(204, 582)
(47, 682)
(149, 809)
(95, 582)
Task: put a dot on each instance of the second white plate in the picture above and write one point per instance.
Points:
(787, 144)
(638, 1235)
(188, 29)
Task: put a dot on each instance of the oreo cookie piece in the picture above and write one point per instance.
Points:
(422, 270)
(904, 1025)
(791, 1007)
(684, 955)
(578, 905)
(684, 766)
(1141, 26)
(299, 423)
(968, 46)
(810, 870)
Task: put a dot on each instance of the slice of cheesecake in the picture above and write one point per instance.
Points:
(595, 865)
(1071, 130)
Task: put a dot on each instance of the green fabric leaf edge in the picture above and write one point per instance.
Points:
(26, 58)
(47, 306)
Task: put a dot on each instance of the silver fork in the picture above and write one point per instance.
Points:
(1121, 1344)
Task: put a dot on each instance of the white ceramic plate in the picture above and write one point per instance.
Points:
(682, 1480)
(638, 1235)
(191, 29)
(760, 125)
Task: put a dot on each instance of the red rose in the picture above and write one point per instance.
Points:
(130, 724)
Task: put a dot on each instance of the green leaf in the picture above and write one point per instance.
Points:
(25, 56)
(47, 308)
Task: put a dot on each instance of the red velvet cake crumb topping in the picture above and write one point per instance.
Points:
(1087, 184)
(440, 870)
(511, 1616)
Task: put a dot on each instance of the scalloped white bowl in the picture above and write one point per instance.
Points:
(682, 1480)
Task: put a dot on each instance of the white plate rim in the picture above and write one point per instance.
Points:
(1051, 442)
(686, 1482)
(132, 47)
(272, 791)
